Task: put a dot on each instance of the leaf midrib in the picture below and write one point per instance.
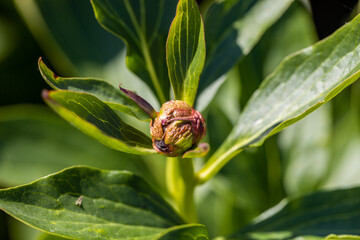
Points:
(142, 46)
(145, 48)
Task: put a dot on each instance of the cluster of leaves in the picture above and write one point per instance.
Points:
(87, 203)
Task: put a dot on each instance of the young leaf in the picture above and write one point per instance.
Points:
(301, 83)
(87, 203)
(99, 88)
(185, 51)
(97, 120)
(318, 214)
(143, 25)
(232, 29)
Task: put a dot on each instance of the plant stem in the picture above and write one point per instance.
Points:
(180, 180)
(216, 162)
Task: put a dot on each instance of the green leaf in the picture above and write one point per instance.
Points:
(302, 83)
(97, 120)
(232, 29)
(185, 232)
(343, 237)
(69, 35)
(46, 236)
(35, 142)
(344, 141)
(342, 170)
(302, 146)
(7, 38)
(318, 214)
(18, 230)
(99, 88)
(143, 25)
(87, 203)
(76, 45)
(185, 51)
(291, 33)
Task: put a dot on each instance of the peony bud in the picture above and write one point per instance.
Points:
(177, 129)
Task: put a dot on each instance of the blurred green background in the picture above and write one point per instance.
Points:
(320, 152)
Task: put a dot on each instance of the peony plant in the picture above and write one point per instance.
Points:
(166, 49)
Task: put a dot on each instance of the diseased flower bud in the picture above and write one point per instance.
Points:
(177, 129)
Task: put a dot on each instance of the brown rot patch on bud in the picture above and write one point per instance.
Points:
(161, 145)
(177, 129)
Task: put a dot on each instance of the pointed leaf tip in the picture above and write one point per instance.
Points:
(142, 103)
